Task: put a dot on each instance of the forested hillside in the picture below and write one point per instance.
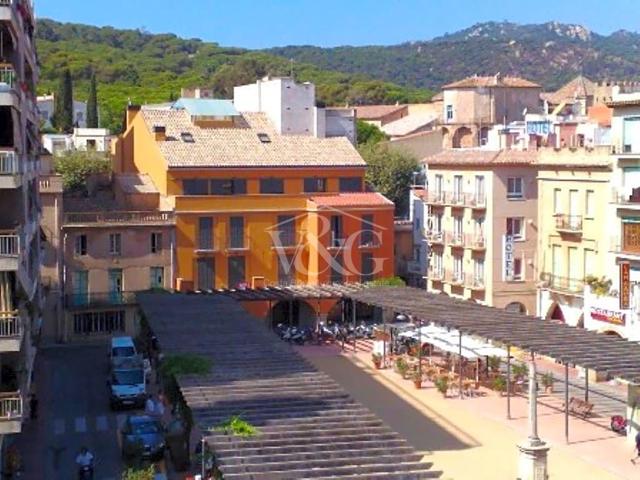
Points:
(146, 68)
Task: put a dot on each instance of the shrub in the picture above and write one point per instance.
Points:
(442, 385)
(547, 380)
(185, 364)
(499, 384)
(519, 370)
(76, 166)
(599, 286)
(234, 425)
(147, 473)
(494, 363)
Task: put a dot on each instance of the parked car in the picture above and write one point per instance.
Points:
(122, 347)
(142, 435)
(127, 382)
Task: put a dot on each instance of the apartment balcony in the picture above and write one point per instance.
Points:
(626, 148)
(88, 219)
(561, 284)
(436, 274)
(11, 409)
(436, 197)
(10, 169)
(50, 184)
(476, 243)
(8, 86)
(9, 250)
(456, 240)
(89, 300)
(434, 237)
(569, 223)
(457, 199)
(630, 199)
(476, 283)
(11, 332)
(478, 201)
(457, 279)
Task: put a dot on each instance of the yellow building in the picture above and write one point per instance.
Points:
(574, 193)
(255, 205)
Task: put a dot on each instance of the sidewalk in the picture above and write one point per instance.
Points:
(594, 452)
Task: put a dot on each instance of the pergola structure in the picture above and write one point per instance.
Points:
(290, 292)
(617, 357)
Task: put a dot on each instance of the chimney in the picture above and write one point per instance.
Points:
(132, 110)
(160, 133)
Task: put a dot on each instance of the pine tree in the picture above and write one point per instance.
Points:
(92, 104)
(63, 107)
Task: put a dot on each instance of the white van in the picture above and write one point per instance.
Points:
(122, 347)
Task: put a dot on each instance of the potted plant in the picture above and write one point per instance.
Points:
(442, 385)
(494, 364)
(547, 382)
(417, 379)
(377, 360)
(499, 384)
(520, 371)
(402, 367)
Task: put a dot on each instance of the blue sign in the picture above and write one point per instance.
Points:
(539, 127)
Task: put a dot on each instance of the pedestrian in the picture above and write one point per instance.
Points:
(33, 406)
(149, 406)
(637, 449)
(159, 408)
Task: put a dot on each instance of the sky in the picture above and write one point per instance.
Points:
(270, 23)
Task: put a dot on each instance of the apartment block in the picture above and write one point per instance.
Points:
(477, 216)
(574, 194)
(20, 294)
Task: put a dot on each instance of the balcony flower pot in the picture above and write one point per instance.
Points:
(377, 360)
(417, 379)
(442, 385)
(402, 367)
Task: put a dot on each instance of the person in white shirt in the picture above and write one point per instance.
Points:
(150, 406)
(159, 408)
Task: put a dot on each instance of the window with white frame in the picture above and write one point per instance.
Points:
(457, 267)
(115, 244)
(589, 204)
(437, 263)
(518, 274)
(515, 188)
(557, 201)
(457, 188)
(449, 112)
(457, 226)
(515, 227)
(478, 271)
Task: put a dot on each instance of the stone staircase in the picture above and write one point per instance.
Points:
(309, 427)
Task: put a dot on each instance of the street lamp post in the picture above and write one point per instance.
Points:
(203, 454)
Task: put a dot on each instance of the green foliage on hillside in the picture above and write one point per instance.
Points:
(132, 65)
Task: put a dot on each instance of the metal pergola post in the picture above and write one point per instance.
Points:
(290, 313)
(270, 317)
(509, 382)
(420, 348)
(384, 339)
(460, 360)
(566, 402)
(586, 384)
(354, 325)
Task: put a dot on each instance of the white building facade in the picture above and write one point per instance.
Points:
(46, 107)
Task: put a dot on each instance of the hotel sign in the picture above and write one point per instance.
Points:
(610, 316)
(507, 257)
(625, 285)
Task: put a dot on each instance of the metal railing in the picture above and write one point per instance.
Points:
(435, 237)
(10, 406)
(564, 284)
(7, 75)
(9, 245)
(569, 223)
(627, 198)
(478, 200)
(476, 242)
(151, 217)
(9, 164)
(617, 246)
(99, 299)
(623, 148)
(457, 278)
(456, 239)
(10, 325)
(476, 282)
(50, 184)
(436, 273)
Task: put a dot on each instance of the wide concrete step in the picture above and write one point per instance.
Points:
(257, 441)
(296, 391)
(257, 418)
(310, 459)
(320, 424)
(275, 405)
(388, 476)
(336, 432)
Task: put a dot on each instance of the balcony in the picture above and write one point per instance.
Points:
(10, 412)
(624, 197)
(457, 239)
(119, 218)
(478, 201)
(569, 223)
(436, 197)
(562, 284)
(11, 331)
(476, 242)
(50, 184)
(457, 278)
(457, 199)
(476, 283)
(626, 148)
(435, 237)
(80, 301)
(8, 92)
(9, 250)
(10, 169)
(436, 274)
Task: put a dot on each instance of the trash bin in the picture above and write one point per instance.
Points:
(176, 440)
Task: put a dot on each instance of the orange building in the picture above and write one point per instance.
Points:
(253, 204)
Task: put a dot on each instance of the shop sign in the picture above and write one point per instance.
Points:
(625, 285)
(610, 316)
(507, 257)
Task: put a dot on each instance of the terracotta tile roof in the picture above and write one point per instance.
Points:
(352, 199)
(576, 88)
(241, 147)
(135, 183)
(375, 112)
(492, 81)
(481, 157)
(624, 103)
(407, 125)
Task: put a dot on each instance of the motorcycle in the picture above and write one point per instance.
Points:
(619, 424)
(85, 472)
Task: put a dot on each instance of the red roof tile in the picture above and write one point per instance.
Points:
(354, 199)
(375, 112)
(481, 157)
(492, 81)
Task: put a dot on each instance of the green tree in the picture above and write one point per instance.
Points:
(76, 166)
(92, 103)
(368, 133)
(63, 104)
(390, 172)
(145, 473)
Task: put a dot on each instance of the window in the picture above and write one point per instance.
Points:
(156, 242)
(91, 144)
(336, 231)
(336, 270)
(271, 185)
(457, 188)
(437, 264)
(156, 275)
(187, 137)
(236, 271)
(80, 284)
(518, 274)
(589, 262)
(367, 237)
(479, 190)
(81, 244)
(366, 267)
(457, 268)
(515, 227)
(589, 205)
(98, 322)
(286, 230)
(115, 285)
(228, 186)
(557, 201)
(195, 186)
(286, 269)
(350, 184)
(315, 184)
(206, 268)
(205, 233)
(115, 244)
(457, 226)
(449, 112)
(236, 232)
(515, 188)
(264, 138)
(437, 224)
(478, 271)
